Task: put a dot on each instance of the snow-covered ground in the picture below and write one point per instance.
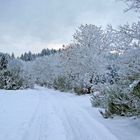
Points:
(44, 114)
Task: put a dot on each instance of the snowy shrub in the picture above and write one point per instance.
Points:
(119, 99)
(122, 101)
(79, 90)
(4, 79)
(98, 99)
(136, 97)
(118, 103)
(61, 83)
(136, 90)
(27, 81)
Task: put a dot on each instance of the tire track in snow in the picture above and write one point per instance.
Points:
(44, 123)
(78, 123)
(34, 123)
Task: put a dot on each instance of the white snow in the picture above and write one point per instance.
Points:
(44, 114)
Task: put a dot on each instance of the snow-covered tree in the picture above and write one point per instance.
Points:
(133, 5)
(4, 74)
(12, 75)
(119, 98)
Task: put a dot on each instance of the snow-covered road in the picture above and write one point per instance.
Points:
(44, 114)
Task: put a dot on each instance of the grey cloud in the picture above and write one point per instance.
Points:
(54, 20)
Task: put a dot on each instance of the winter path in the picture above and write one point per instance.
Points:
(44, 114)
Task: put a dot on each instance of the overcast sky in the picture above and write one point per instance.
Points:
(36, 24)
